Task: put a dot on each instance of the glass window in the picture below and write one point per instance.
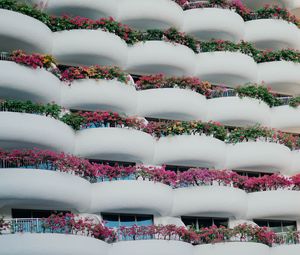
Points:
(203, 222)
(277, 225)
(251, 174)
(32, 213)
(114, 220)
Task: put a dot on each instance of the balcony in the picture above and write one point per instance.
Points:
(89, 47)
(171, 103)
(248, 248)
(295, 165)
(130, 196)
(190, 150)
(294, 6)
(89, 94)
(272, 34)
(37, 85)
(286, 250)
(43, 189)
(117, 144)
(230, 68)
(210, 200)
(282, 76)
(49, 244)
(265, 156)
(286, 118)
(151, 247)
(274, 204)
(22, 130)
(154, 14)
(214, 23)
(152, 57)
(235, 111)
(89, 8)
(18, 31)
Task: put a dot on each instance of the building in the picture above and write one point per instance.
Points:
(63, 151)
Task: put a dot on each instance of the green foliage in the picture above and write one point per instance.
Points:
(74, 120)
(49, 109)
(258, 92)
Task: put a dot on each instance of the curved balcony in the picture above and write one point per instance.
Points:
(89, 94)
(235, 111)
(143, 197)
(154, 14)
(154, 57)
(210, 200)
(49, 244)
(21, 130)
(233, 248)
(89, 47)
(37, 85)
(18, 31)
(90, 8)
(214, 23)
(274, 204)
(272, 34)
(286, 250)
(230, 68)
(282, 76)
(151, 247)
(258, 156)
(118, 144)
(295, 165)
(42, 189)
(170, 103)
(190, 150)
(286, 118)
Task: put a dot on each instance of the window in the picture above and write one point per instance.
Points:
(178, 168)
(203, 222)
(112, 163)
(113, 220)
(277, 225)
(29, 213)
(251, 174)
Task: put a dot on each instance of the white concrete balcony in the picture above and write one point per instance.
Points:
(151, 247)
(230, 68)
(43, 189)
(280, 204)
(233, 248)
(93, 9)
(210, 200)
(22, 130)
(286, 249)
(265, 156)
(49, 244)
(89, 47)
(90, 94)
(286, 118)
(295, 164)
(235, 111)
(190, 150)
(272, 34)
(118, 144)
(18, 31)
(282, 76)
(142, 197)
(154, 14)
(37, 85)
(171, 103)
(214, 23)
(152, 57)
